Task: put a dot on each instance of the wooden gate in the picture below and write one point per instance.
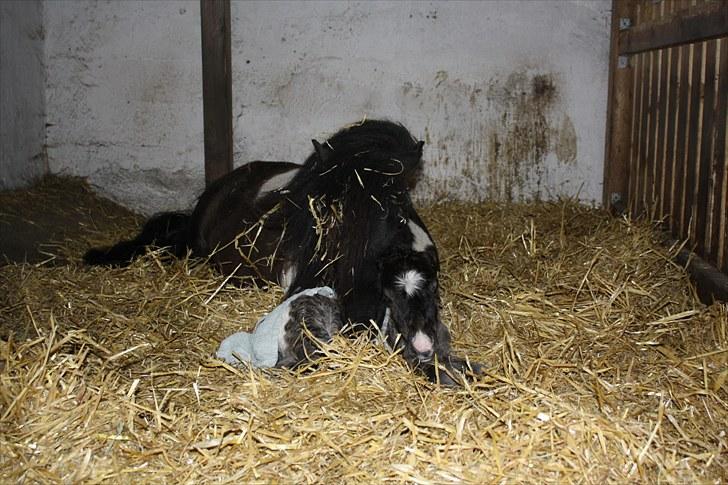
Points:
(666, 124)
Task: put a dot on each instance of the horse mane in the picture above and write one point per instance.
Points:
(390, 144)
(361, 178)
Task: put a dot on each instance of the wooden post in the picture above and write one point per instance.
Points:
(217, 88)
(619, 117)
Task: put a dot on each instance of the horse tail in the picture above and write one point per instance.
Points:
(169, 230)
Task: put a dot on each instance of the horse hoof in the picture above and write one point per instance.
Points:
(455, 372)
(438, 375)
(465, 367)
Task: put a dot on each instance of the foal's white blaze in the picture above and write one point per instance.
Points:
(410, 281)
(287, 277)
(422, 343)
(421, 240)
(276, 182)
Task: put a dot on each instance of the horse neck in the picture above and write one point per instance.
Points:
(339, 233)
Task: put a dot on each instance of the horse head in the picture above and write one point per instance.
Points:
(409, 276)
(352, 226)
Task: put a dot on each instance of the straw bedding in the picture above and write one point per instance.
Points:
(601, 365)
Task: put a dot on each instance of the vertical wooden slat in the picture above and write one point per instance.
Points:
(648, 11)
(648, 164)
(641, 168)
(660, 155)
(654, 127)
(705, 162)
(659, 194)
(693, 134)
(671, 108)
(639, 124)
(634, 132)
(643, 87)
(619, 119)
(719, 240)
(217, 88)
(683, 4)
(713, 252)
(671, 4)
(678, 214)
(639, 12)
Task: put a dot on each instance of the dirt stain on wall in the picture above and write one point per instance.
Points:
(499, 139)
(565, 146)
(523, 134)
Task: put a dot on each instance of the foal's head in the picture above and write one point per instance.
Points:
(411, 292)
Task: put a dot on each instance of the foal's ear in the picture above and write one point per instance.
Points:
(324, 151)
(418, 153)
(417, 159)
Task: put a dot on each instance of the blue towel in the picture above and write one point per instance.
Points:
(260, 348)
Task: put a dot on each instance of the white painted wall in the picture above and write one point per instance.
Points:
(510, 96)
(124, 98)
(22, 98)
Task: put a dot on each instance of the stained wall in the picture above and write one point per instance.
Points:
(22, 93)
(510, 96)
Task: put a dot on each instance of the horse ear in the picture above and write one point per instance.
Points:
(324, 151)
(420, 144)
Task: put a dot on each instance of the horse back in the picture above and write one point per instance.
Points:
(235, 220)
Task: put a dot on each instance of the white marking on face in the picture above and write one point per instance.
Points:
(287, 277)
(277, 182)
(421, 240)
(410, 281)
(422, 343)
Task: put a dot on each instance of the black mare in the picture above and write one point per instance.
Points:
(343, 219)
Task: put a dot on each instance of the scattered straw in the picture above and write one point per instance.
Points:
(601, 365)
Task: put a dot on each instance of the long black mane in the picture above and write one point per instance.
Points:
(345, 207)
(381, 142)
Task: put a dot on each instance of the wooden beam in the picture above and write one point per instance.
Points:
(216, 88)
(719, 240)
(701, 22)
(619, 119)
(705, 161)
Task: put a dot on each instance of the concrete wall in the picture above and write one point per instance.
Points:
(510, 96)
(22, 93)
(124, 98)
